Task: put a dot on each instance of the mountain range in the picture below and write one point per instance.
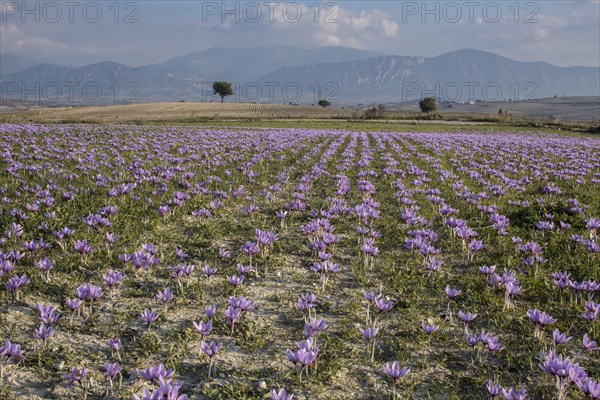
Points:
(296, 75)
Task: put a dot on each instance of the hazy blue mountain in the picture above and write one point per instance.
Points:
(10, 63)
(245, 65)
(462, 75)
(307, 75)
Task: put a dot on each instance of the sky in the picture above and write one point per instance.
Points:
(564, 33)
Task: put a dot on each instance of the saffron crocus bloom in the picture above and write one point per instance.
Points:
(232, 314)
(473, 339)
(15, 283)
(493, 389)
(180, 254)
(280, 395)
(313, 327)
(235, 281)
(466, 317)
(589, 344)
(82, 247)
(394, 371)
(113, 278)
(369, 333)
(115, 346)
(493, 343)
(560, 338)
(208, 270)
(170, 390)
(44, 333)
(210, 311)
(540, 318)
(487, 270)
(243, 269)
(513, 394)
(429, 329)
(153, 374)
(560, 368)
(590, 388)
(76, 375)
(112, 370)
(452, 293)
(9, 351)
(241, 302)
(165, 296)
(149, 317)
(48, 314)
(204, 329)
(224, 254)
(210, 350)
(382, 306)
(44, 266)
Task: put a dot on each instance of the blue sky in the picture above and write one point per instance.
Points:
(563, 33)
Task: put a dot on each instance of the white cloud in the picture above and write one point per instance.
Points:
(13, 39)
(312, 26)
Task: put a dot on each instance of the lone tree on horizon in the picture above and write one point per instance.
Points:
(324, 103)
(428, 105)
(223, 89)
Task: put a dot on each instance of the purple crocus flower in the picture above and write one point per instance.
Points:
(210, 311)
(494, 389)
(180, 254)
(466, 318)
(44, 333)
(429, 329)
(149, 317)
(44, 266)
(560, 368)
(235, 281)
(204, 329)
(113, 278)
(14, 285)
(224, 254)
(394, 371)
(560, 338)
(112, 370)
(369, 333)
(48, 314)
(115, 347)
(82, 247)
(210, 349)
(280, 395)
(111, 238)
(165, 296)
(170, 389)
(74, 304)
(589, 344)
(250, 249)
(153, 374)
(513, 394)
(9, 351)
(313, 327)
(452, 293)
(590, 388)
(208, 270)
(76, 375)
(382, 305)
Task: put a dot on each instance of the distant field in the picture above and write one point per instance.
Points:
(559, 108)
(176, 111)
(541, 113)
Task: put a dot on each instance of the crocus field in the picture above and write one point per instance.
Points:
(196, 263)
